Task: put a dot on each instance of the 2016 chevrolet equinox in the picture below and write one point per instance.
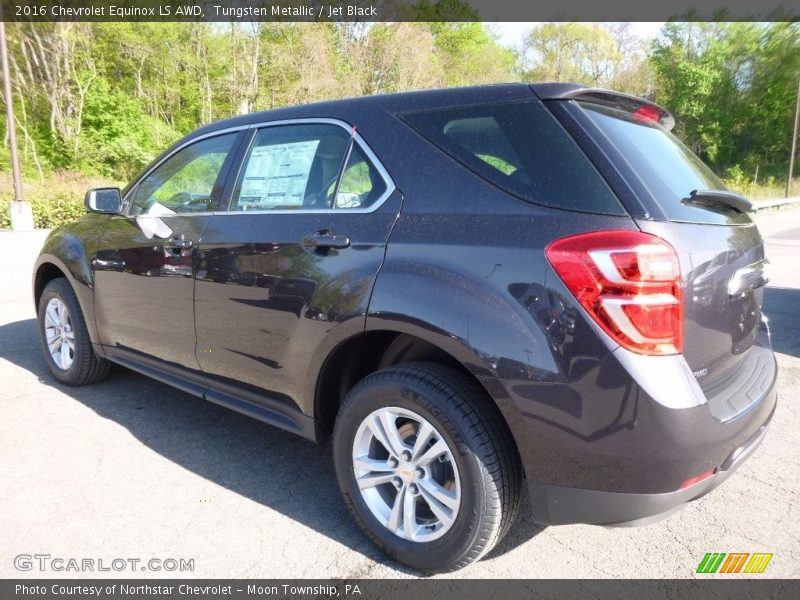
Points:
(471, 290)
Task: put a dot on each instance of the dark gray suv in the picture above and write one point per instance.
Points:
(472, 291)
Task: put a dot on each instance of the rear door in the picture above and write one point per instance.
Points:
(292, 261)
(722, 255)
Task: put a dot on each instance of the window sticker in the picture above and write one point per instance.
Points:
(277, 176)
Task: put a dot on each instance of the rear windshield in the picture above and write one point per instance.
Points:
(667, 168)
(520, 148)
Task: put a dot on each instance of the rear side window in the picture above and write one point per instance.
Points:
(291, 167)
(520, 148)
(302, 167)
(360, 185)
(667, 168)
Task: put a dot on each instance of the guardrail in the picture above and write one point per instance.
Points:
(775, 204)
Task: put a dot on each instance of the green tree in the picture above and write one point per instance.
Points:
(469, 55)
(732, 87)
(101, 99)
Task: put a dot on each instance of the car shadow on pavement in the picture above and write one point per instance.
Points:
(241, 454)
(782, 308)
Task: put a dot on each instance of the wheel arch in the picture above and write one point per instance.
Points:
(45, 273)
(49, 267)
(375, 349)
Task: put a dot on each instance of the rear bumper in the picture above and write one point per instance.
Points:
(560, 505)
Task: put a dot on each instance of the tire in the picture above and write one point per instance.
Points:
(78, 364)
(463, 501)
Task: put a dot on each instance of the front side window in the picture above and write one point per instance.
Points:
(188, 181)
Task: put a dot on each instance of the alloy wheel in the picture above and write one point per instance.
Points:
(58, 333)
(406, 473)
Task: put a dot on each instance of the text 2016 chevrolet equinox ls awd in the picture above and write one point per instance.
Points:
(471, 290)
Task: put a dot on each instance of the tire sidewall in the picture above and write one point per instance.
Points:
(448, 549)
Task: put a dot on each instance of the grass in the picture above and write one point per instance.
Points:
(55, 201)
(767, 186)
(763, 193)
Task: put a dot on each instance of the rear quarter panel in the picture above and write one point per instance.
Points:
(465, 270)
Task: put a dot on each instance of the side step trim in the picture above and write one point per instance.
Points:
(266, 409)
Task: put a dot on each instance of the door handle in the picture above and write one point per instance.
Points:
(326, 240)
(108, 265)
(178, 244)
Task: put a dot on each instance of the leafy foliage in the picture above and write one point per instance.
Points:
(57, 201)
(601, 55)
(732, 87)
(102, 99)
(49, 210)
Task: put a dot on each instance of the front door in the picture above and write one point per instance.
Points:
(144, 266)
(293, 258)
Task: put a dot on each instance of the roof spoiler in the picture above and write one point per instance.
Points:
(625, 102)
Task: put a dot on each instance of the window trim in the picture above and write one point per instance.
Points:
(239, 164)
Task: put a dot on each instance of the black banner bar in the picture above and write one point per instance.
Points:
(398, 10)
(416, 589)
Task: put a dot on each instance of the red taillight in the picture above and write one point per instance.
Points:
(630, 282)
(697, 478)
(647, 112)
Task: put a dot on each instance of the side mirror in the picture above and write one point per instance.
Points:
(103, 200)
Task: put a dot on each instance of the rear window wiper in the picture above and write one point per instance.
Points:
(719, 198)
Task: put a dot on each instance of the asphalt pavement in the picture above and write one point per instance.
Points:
(132, 469)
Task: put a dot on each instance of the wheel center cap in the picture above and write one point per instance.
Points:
(406, 472)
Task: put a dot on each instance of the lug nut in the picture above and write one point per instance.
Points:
(396, 482)
(413, 489)
(406, 455)
(393, 462)
(420, 472)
